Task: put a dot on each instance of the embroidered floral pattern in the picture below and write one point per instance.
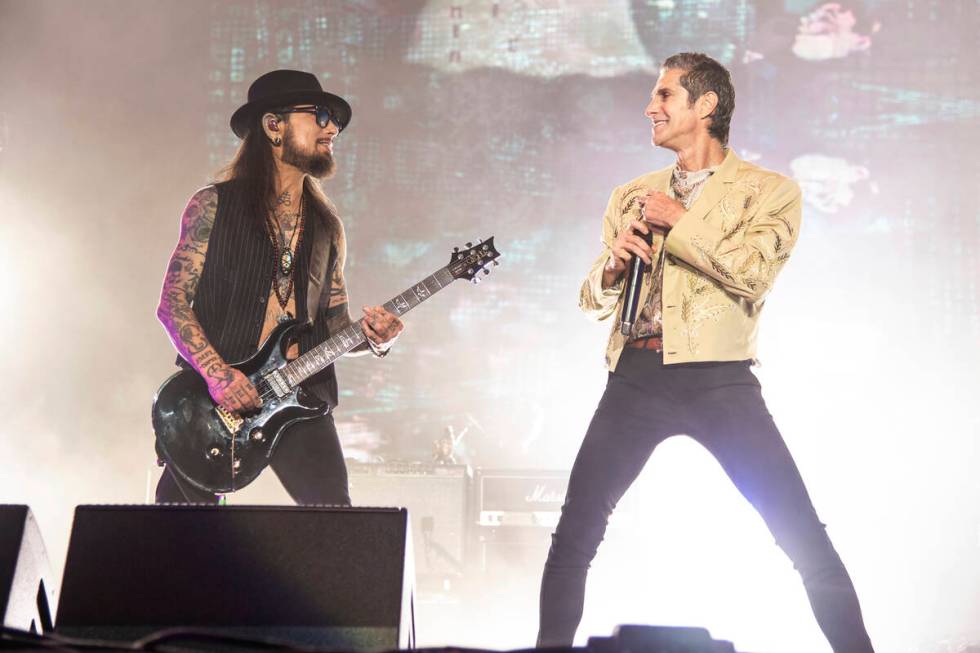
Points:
(686, 188)
(710, 259)
(631, 201)
(786, 223)
(734, 229)
(697, 307)
(734, 205)
(757, 270)
(717, 270)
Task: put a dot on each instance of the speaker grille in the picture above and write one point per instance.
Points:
(321, 575)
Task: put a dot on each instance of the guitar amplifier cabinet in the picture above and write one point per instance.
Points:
(437, 499)
(517, 512)
(520, 498)
(318, 577)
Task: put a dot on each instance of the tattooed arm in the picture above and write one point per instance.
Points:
(227, 386)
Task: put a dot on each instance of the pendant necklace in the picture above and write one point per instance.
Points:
(283, 257)
(286, 258)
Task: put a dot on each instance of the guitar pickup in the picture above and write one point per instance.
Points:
(278, 384)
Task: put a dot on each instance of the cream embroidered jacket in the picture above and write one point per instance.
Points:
(721, 259)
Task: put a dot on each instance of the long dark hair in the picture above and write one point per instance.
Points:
(255, 168)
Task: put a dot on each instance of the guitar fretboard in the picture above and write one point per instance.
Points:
(324, 354)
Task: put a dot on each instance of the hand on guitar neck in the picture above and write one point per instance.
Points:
(380, 327)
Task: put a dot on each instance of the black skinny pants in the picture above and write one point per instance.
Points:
(308, 459)
(719, 405)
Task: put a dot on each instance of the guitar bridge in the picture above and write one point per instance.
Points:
(231, 421)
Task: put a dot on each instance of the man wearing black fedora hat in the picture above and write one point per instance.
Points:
(261, 246)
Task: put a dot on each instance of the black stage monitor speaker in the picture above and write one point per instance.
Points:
(27, 595)
(315, 576)
(659, 639)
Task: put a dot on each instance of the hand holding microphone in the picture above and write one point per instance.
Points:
(633, 241)
(658, 212)
(640, 259)
(632, 249)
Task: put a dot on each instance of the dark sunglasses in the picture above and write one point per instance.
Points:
(323, 115)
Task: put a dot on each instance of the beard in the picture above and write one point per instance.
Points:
(319, 165)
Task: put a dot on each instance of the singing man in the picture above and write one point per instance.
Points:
(722, 229)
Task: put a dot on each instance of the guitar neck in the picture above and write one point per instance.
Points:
(327, 352)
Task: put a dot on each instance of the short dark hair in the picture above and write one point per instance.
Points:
(703, 74)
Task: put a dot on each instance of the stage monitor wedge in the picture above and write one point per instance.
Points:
(316, 576)
(27, 595)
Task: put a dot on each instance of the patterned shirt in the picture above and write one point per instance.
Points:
(685, 187)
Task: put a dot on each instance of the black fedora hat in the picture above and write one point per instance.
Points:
(283, 88)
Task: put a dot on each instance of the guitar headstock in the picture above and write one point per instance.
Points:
(468, 263)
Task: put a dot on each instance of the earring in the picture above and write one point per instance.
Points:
(277, 141)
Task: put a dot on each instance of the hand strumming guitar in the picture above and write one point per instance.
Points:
(232, 389)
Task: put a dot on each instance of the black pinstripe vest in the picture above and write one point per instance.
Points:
(236, 282)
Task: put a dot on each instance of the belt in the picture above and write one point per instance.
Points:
(655, 343)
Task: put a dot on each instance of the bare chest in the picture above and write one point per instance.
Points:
(286, 228)
(274, 313)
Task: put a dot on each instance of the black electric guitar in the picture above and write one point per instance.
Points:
(220, 451)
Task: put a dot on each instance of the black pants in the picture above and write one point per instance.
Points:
(307, 459)
(719, 405)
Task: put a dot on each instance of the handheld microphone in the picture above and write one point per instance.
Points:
(633, 283)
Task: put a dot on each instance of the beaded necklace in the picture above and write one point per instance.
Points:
(283, 256)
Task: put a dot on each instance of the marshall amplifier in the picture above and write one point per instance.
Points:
(517, 512)
(526, 498)
(437, 499)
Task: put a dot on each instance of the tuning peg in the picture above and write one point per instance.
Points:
(469, 244)
(486, 272)
(476, 281)
(455, 250)
(496, 262)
